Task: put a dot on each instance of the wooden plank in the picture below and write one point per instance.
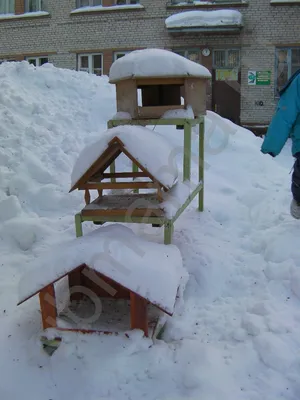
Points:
(124, 175)
(157, 112)
(142, 212)
(138, 313)
(118, 185)
(142, 168)
(75, 280)
(87, 196)
(48, 307)
(195, 95)
(127, 100)
(102, 163)
(159, 81)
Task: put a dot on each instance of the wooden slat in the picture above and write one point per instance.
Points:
(142, 212)
(125, 175)
(75, 279)
(138, 313)
(156, 112)
(118, 185)
(87, 196)
(48, 307)
(142, 168)
(159, 81)
(102, 163)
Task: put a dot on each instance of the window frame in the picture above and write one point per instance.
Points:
(26, 6)
(186, 50)
(78, 5)
(127, 3)
(9, 4)
(90, 62)
(120, 52)
(37, 59)
(289, 65)
(226, 50)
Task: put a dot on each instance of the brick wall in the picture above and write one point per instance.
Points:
(63, 34)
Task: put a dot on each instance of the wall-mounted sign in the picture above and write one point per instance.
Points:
(259, 78)
(227, 74)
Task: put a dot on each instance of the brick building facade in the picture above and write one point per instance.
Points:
(71, 35)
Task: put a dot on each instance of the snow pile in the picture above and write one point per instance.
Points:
(155, 63)
(189, 19)
(117, 253)
(150, 149)
(236, 335)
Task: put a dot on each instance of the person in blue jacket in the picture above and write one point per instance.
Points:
(286, 124)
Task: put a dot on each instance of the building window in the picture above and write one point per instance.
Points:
(91, 63)
(191, 54)
(227, 58)
(120, 54)
(34, 5)
(37, 61)
(124, 2)
(7, 6)
(287, 63)
(88, 3)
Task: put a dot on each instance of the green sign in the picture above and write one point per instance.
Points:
(259, 78)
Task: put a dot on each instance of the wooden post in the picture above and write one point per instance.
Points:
(187, 151)
(168, 232)
(138, 313)
(87, 197)
(201, 164)
(78, 225)
(48, 307)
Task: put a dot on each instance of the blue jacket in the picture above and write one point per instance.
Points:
(286, 121)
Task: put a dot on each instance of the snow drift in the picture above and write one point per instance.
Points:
(237, 334)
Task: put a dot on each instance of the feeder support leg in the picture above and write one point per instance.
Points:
(201, 164)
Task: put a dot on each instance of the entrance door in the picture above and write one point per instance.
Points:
(226, 83)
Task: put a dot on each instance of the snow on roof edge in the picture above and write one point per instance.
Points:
(155, 63)
(209, 18)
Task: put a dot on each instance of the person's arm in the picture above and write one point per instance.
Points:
(283, 120)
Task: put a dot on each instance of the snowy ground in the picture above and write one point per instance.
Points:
(237, 335)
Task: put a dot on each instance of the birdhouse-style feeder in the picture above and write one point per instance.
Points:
(163, 78)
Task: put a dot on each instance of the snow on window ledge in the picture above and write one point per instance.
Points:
(25, 15)
(111, 8)
(212, 3)
(282, 2)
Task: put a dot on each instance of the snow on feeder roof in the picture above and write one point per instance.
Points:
(151, 270)
(150, 149)
(156, 63)
(205, 19)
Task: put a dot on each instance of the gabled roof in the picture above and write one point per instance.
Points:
(153, 271)
(148, 149)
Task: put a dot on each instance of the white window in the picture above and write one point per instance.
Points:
(34, 5)
(7, 6)
(124, 2)
(37, 61)
(287, 63)
(88, 3)
(120, 54)
(91, 63)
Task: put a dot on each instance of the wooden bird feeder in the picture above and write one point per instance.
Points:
(160, 95)
(96, 178)
(141, 314)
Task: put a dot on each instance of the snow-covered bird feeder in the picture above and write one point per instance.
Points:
(164, 78)
(117, 282)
